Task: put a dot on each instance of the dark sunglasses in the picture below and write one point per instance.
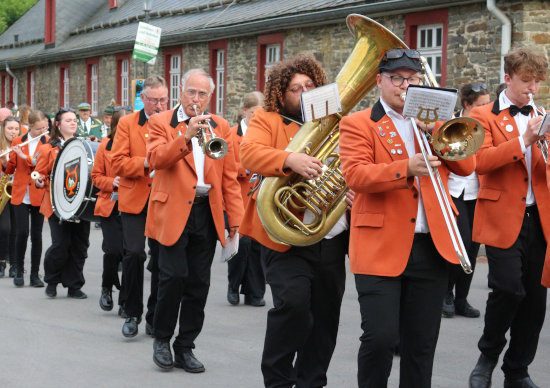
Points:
(64, 110)
(478, 87)
(399, 52)
(12, 118)
(127, 108)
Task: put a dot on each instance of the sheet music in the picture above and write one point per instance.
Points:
(545, 125)
(231, 247)
(320, 102)
(437, 104)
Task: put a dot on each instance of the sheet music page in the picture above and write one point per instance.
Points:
(545, 125)
(437, 104)
(320, 102)
(231, 247)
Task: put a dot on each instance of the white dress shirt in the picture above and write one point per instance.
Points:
(87, 124)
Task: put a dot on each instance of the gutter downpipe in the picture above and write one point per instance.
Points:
(16, 85)
(506, 39)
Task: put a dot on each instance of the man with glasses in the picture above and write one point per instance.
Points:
(129, 161)
(190, 191)
(399, 243)
(307, 283)
(87, 125)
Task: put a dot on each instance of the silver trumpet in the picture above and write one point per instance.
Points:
(212, 146)
(542, 144)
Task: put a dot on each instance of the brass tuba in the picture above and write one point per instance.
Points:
(5, 191)
(280, 198)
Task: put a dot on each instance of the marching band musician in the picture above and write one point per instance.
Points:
(26, 198)
(130, 163)
(107, 208)
(64, 259)
(194, 187)
(513, 193)
(399, 242)
(307, 283)
(245, 270)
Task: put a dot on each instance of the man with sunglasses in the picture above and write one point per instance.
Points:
(399, 243)
(513, 193)
(129, 161)
(189, 194)
(307, 283)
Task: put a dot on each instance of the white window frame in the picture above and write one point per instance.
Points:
(125, 82)
(430, 48)
(175, 79)
(272, 56)
(66, 87)
(220, 81)
(32, 88)
(94, 83)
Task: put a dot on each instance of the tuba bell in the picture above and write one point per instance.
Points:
(280, 198)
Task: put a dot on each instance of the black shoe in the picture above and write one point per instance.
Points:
(76, 294)
(122, 312)
(149, 329)
(12, 271)
(448, 306)
(232, 296)
(51, 290)
(186, 360)
(106, 299)
(35, 281)
(524, 382)
(130, 327)
(162, 355)
(462, 307)
(253, 301)
(2, 269)
(481, 375)
(18, 280)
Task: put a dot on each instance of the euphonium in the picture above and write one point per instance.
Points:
(280, 198)
(5, 191)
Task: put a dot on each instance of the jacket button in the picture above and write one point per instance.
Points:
(515, 158)
(413, 220)
(190, 202)
(397, 175)
(415, 196)
(194, 187)
(181, 149)
(523, 199)
(526, 179)
(276, 169)
(149, 185)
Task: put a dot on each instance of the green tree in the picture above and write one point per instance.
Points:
(11, 10)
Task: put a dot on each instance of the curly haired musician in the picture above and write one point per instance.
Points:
(513, 192)
(307, 283)
(398, 240)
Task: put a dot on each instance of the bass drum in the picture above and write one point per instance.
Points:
(72, 192)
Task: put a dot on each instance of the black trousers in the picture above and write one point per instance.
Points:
(184, 279)
(7, 234)
(64, 259)
(111, 228)
(405, 308)
(465, 221)
(307, 284)
(245, 270)
(131, 295)
(517, 301)
(23, 213)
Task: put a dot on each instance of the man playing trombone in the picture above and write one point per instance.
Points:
(513, 192)
(399, 241)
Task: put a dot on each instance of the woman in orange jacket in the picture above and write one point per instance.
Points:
(64, 259)
(10, 129)
(26, 198)
(106, 207)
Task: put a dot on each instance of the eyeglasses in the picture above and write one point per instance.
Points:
(12, 118)
(478, 87)
(127, 108)
(399, 52)
(299, 88)
(63, 110)
(156, 101)
(191, 93)
(397, 80)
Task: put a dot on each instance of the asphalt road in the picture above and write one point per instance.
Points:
(73, 343)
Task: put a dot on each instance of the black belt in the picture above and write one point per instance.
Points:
(531, 210)
(200, 199)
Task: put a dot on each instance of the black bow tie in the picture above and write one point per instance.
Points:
(514, 110)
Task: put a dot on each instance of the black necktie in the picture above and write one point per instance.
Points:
(514, 110)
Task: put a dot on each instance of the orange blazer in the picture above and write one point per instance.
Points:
(129, 150)
(383, 216)
(243, 175)
(263, 152)
(46, 158)
(174, 184)
(22, 169)
(102, 177)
